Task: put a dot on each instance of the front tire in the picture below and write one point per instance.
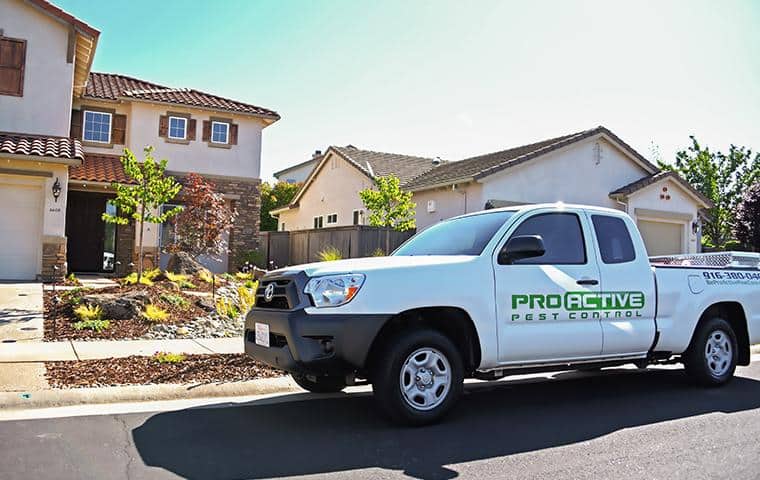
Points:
(417, 377)
(712, 356)
(319, 384)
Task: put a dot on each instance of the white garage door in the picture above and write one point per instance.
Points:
(662, 238)
(20, 225)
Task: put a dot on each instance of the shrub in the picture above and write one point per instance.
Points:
(227, 308)
(251, 257)
(251, 284)
(95, 325)
(246, 298)
(181, 281)
(131, 279)
(155, 314)
(88, 312)
(176, 300)
(166, 357)
(73, 280)
(378, 252)
(329, 254)
(243, 276)
(73, 296)
(206, 276)
(152, 274)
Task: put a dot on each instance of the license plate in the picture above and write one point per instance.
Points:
(262, 334)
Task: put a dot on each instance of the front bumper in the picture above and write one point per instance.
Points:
(324, 344)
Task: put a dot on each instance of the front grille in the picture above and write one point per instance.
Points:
(285, 294)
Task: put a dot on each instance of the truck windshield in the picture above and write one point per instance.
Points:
(458, 236)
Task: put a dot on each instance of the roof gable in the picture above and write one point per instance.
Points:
(647, 182)
(485, 165)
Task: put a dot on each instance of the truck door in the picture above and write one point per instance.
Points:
(628, 301)
(542, 302)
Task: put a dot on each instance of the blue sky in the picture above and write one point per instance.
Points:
(451, 78)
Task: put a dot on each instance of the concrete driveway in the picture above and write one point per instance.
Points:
(20, 312)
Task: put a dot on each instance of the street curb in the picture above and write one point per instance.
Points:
(142, 393)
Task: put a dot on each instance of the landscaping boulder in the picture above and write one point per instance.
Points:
(117, 306)
(183, 263)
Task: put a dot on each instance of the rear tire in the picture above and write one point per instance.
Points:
(417, 377)
(712, 355)
(321, 385)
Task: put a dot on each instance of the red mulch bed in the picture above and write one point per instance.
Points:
(59, 321)
(136, 370)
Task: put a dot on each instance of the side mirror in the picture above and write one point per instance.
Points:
(522, 246)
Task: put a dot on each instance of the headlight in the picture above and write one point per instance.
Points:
(334, 290)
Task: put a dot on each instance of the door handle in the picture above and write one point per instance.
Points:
(587, 281)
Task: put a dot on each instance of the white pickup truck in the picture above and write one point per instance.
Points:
(501, 292)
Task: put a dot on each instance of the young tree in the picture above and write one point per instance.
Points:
(138, 202)
(747, 228)
(722, 178)
(273, 197)
(389, 206)
(200, 227)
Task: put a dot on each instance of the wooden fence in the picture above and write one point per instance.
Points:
(280, 249)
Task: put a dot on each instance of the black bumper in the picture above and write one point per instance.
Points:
(313, 344)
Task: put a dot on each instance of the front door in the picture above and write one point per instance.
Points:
(91, 242)
(544, 304)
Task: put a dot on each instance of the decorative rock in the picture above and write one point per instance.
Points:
(119, 307)
(182, 262)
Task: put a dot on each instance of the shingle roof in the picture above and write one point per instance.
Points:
(488, 164)
(634, 187)
(380, 164)
(100, 168)
(111, 86)
(40, 146)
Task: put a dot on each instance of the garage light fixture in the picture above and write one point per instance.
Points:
(56, 189)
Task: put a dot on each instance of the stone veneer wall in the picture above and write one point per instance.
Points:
(53, 253)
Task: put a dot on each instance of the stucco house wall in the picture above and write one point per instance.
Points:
(449, 202)
(45, 106)
(334, 190)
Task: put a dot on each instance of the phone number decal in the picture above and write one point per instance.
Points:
(731, 278)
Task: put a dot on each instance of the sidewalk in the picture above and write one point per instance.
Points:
(81, 350)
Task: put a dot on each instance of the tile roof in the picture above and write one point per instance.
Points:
(488, 164)
(310, 162)
(380, 164)
(634, 187)
(100, 168)
(40, 146)
(110, 86)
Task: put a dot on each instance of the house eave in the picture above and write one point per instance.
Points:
(73, 162)
(447, 183)
(268, 119)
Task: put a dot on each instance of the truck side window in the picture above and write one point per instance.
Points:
(563, 239)
(615, 243)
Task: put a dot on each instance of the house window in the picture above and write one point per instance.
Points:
(97, 127)
(282, 227)
(318, 222)
(177, 128)
(12, 60)
(220, 132)
(332, 218)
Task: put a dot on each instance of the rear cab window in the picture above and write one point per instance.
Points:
(614, 239)
(562, 234)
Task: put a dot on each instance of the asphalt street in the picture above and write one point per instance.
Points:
(616, 424)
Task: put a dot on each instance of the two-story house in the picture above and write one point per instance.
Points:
(63, 129)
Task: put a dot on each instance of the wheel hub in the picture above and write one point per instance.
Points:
(425, 378)
(718, 353)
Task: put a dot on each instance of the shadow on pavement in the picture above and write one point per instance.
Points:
(315, 436)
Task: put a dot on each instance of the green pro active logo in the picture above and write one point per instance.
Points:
(577, 305)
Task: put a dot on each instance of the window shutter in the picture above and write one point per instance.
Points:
(12, 59)
(119, 129)
(206, 131)
(191, 129)
(233, 133)
(163, 126)
(76, 124)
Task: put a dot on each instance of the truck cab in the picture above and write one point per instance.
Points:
(498, 292)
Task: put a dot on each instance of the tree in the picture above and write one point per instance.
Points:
(747, 229)
(200, 227)
(138, 202)
(722, 178)
(272, 197)
(389, 206)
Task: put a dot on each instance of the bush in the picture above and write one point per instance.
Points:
(243, 276)
(246, 298)
(88, 312)
(73, 296)
(155, 314)
(227, 308)
(131, 279)
(181, 281)
(73, 280)
(251, 284)
(378, 252)
(206, 276)
(747, 228)
(95, 325)
(166, 357)
(330, 254)
(252, 257)
(176, 300)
